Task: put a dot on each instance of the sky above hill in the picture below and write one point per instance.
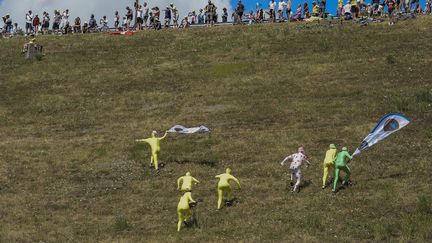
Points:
(83, 8)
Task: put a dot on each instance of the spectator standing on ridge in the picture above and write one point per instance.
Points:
(391, 7)
(167, 17)
(65, 21)
(146, 12)
(29, 23)
(298, 15)
(57, 20)
(374, 7)
(36, 24)
(280, 10)
(339, 8)
(45, 22)
(7, 24)
(272, 7)
(174, 15)
(116, 20)
(315, 9)
(201, 16)
(240, 10)
(139, 17)
(288, 10)
(129, 17)
(354, 10)
(224, 15)
(306, 13)
(322, 8)
(211, 13)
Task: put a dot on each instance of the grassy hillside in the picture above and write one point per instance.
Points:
(71, 172)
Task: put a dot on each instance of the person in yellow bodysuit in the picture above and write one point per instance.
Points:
(328, 163)
(183, 209)
(154, 143)
(184, 183)
(224, 186)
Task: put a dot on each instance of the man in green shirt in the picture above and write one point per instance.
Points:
(341, 164)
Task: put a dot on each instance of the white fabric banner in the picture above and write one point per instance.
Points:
(188, 130)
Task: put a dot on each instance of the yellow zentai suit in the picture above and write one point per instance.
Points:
(224, 187)
(184, 183)
(154, 143)
(183, 209)
(328, 163)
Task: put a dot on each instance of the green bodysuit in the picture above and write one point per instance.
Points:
(341, 164)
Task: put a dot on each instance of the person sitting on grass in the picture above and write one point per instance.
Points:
(224, 186)
(92, 23)
(77, 25)
(184, 23)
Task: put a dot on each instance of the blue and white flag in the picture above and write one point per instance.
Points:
(388, 125)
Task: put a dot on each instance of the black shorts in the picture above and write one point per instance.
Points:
(140, 20)
(29, 26)
(353, 9)
(56, 26)
(146, 18)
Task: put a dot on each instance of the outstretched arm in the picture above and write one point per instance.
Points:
(287, 158)
(141, 140)
(166, 132)
(195, 180)
(349, 156)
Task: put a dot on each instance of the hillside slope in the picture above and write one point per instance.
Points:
(71, 172)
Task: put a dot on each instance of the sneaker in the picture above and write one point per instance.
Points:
(323, 187)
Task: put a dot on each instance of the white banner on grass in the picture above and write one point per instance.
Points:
(188, 130)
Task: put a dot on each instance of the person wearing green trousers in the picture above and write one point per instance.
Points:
(341, 164)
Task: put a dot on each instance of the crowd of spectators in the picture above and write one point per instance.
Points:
(143, 17)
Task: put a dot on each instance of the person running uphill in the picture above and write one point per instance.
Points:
(328, 163)
(154, 143)
(184, 183)
(341, 164)
(297, 160)
(184, 209)
(224, 186)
